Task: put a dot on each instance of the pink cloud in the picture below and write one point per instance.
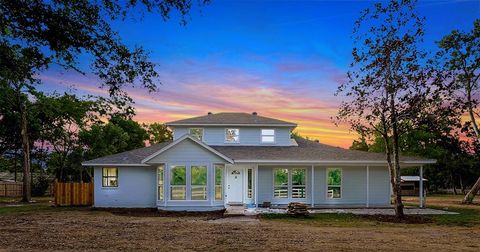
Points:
(193, 88)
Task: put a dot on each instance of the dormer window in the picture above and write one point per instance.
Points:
(232, 135)
(197, 133)
(268, 136)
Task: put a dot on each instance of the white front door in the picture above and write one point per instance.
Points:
(234, 185)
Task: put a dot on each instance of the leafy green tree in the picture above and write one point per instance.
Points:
(61, 117)
(460, 55)
(118, 135)
(159, 133)
(38, 33)
(387, 89)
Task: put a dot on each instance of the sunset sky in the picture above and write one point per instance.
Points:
(282, 59)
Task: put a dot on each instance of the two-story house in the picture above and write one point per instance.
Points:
(225, 159)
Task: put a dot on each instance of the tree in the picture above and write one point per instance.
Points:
(460, 55)
(159, 133)
(455, 158)
(18, 68)
(38, 33)
(118, 135)
(387, 88)
(61, 118)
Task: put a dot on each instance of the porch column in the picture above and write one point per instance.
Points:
(312, 197)
(421, 186)
(225, 184)
(256, 186)
(368, 186)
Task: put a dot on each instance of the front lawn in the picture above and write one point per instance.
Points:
(42, 227)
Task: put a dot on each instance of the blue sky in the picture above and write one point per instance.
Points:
(280, 58)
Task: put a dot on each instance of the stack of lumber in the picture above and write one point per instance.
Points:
(297, 209)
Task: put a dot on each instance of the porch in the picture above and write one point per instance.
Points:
(337, 186)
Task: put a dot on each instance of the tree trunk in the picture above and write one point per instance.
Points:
(26, 150)
(396, 185)
(15, 166)
(471, 194)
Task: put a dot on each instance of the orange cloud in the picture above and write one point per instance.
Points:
(214, 88)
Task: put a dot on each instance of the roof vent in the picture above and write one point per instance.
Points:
(209, 113)
(254, 113)
(317, 141)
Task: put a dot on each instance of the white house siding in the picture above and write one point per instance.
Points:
(248, 135)
(136, 188)
(354, 186)
(188, 153)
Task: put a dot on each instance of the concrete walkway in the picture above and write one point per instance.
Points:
(240, 210)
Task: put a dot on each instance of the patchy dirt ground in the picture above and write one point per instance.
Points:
(99, 230)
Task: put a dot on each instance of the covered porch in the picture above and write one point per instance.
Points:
(320, 186)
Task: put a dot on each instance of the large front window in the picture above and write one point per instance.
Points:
(178, 183)
(298, 183)
(199, 183)
(334, 183)
(280, 181)
(232, 135)
(289, 183)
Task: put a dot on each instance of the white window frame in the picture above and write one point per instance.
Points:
(225, 132)
(170, 174)
(117, 176)
(161, 166)
(222, 183)
(252, 183)
(191, 186)
(188, 182)
(327, 185)
(290, 183)
(202, 136)
(266, 135)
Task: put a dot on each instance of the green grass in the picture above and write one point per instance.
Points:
(26, 208)
(9, 205)
(465, 217)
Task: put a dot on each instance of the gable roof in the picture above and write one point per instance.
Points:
(181, 139)
(308, 152)
(231, 119)
(140, 157)
(127, 158)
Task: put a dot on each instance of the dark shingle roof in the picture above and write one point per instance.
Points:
(232, 119)
(128, 157)
(305, 151)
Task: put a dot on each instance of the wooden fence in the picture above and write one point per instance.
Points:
(73, 194)
(11, 189)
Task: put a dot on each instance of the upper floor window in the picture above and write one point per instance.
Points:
(232, 135)
(197, 133)
(268, 135)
